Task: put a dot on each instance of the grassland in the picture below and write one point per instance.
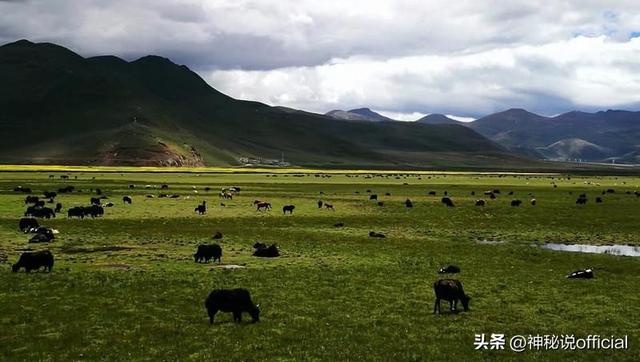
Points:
(125, 286)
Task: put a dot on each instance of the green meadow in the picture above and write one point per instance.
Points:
(125, 286)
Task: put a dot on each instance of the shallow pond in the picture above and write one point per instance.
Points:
(615, 249)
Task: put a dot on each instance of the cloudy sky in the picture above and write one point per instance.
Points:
(403, 58)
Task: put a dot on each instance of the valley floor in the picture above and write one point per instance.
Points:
(125, 286)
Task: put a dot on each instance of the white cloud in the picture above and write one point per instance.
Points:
(401, 116)
(414, 116)
(574, 73)
(461, 119)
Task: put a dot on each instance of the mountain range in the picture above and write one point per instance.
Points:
(612, 135)
(606, 136)
(57, 107)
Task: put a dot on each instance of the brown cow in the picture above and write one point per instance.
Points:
(263, 206)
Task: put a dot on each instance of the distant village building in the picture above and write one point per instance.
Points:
(259, 161)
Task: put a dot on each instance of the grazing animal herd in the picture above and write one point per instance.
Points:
(237, 301)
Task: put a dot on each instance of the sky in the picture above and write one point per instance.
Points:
(405, 59)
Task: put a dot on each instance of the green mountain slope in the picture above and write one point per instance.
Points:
(58, 107)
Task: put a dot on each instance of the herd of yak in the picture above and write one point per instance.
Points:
(236, 301)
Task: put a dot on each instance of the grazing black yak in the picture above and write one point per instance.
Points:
(373, 197)
(329, 206)
(34, 261)
(380, 203)
(94, 210)
(320, 203)
(208, 252)
(202, 208)
(127, 200)
(598, 200)
(408, 203)
(236, 301)
(581, 274)
(480, 202)
(374, 234)
(95, 201)
(58, 207)
(581, 200)
(77, 211)
(449, 269)
(217, 235)
(27, 223)
(516, 203)
(50, 194)
(288, 208)
(432, 193)
(450, 290)
(42, 212)
(534, 202)
(338, 225)
(66, 189)
(447, 201)
(31, 199)
(269, 252)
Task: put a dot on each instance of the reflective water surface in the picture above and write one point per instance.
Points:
(615, 249)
